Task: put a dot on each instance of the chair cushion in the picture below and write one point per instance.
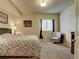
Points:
(54, 38)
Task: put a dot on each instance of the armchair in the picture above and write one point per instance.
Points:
(56, 37)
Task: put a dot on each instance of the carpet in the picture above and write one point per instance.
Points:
(55, 51)
(52, 51)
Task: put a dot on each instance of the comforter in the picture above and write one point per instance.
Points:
(19, 45)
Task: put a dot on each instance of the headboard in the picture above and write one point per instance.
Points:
(5, 30)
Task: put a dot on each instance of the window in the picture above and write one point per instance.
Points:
(47, 25)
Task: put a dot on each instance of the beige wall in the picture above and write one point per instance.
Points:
(77, 17)
(35, 29)
(7, 8)
(68, 22)
(14, 17)
(11, 19)
(77, 39)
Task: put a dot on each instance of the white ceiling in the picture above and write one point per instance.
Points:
(53, 6)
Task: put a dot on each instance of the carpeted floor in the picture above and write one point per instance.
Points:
(54, 51)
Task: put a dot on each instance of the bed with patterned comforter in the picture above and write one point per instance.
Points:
(19, 45)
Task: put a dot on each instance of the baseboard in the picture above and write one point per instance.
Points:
(67, 45)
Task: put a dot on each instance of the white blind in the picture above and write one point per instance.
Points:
(47, 25)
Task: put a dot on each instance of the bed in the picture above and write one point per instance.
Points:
(25, 46)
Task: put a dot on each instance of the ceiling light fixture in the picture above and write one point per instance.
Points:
(43, 3)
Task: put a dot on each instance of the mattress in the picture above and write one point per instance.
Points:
(19, 45)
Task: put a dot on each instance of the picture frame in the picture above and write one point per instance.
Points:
(3, 18)
(27, 23)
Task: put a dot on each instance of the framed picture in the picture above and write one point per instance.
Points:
(3, 17)
(27, 23)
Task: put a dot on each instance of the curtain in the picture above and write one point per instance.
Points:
(41, 36)
(53, 25)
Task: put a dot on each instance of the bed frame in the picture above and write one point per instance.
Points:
(8, 30)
